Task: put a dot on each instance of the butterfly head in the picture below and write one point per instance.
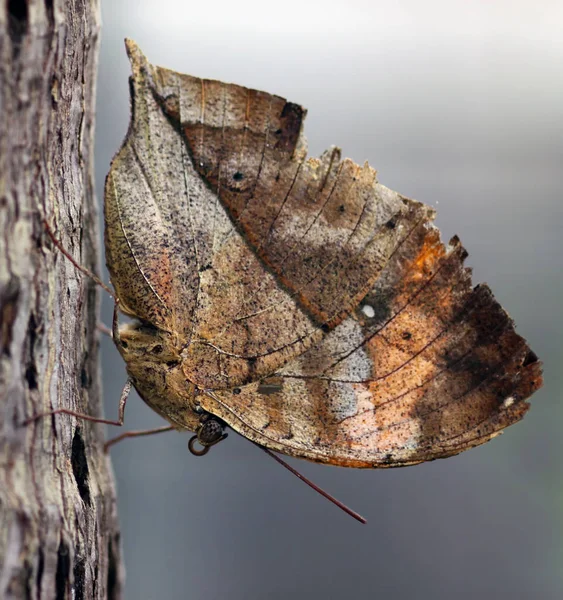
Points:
(211, 431)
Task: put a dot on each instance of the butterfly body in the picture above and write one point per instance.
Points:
(296, 299)
(154, 365)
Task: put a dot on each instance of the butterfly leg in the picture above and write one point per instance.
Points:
(139, 433)
(67, 254)
(114, 333)
(72, 413)
(102, 328)
(115, 324)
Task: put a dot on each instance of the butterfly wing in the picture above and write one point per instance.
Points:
(425, 367)
(219, 229)
(318, 309)
(150, 246)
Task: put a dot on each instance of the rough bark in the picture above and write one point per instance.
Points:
(58, 528)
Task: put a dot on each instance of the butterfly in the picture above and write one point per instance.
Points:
(295, 300)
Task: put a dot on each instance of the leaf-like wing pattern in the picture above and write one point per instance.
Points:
(424, 368)
(318, 309)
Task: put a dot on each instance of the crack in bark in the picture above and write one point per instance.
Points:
(63, 571)
(80, 466)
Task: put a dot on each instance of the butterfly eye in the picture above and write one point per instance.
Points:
(157, 349)
(210, 433)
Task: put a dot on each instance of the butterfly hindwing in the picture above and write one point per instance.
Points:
(426, 367)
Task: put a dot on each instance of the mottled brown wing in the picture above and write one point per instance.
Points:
(324, 227)
(149, 240)
(425, 367)
(219, 229)
(317, 309)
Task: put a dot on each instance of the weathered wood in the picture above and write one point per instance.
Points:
(59, 536)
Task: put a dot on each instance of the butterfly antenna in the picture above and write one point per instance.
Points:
(332, 499)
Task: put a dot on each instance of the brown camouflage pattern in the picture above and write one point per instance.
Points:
(311, 308)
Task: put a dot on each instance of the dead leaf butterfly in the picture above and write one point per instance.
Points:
(295, 300)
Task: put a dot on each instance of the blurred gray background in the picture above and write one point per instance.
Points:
(457, 104)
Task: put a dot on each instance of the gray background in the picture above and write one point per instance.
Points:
(457, 104)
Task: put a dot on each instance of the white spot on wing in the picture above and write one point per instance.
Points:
(508, 402)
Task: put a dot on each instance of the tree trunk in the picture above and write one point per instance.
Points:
(59, 536)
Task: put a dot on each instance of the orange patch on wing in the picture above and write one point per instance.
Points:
(431, 253)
